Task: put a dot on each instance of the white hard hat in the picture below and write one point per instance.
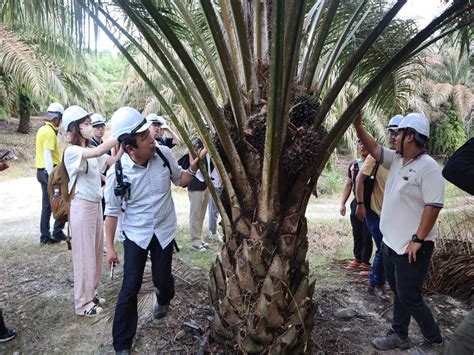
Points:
(54, 110)
(416, 121)
(127, 120)
(154, 118)
(73, 113)
(394, 122)
(97, 119)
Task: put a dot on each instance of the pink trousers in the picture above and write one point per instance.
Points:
(87, 234)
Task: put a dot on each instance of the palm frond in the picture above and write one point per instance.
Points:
(463, 100)
(19, 60)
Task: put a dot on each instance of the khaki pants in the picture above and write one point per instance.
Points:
(87, 235)
(197, 212)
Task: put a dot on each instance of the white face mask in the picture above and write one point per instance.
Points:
(87, 132)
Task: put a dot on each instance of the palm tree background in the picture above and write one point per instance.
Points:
(39, 64)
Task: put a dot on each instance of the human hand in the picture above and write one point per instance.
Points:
(358, 118)
(194, 163)
(112, 257)
(361, 212)
(412, 249)
(342, 210)
(202, 153)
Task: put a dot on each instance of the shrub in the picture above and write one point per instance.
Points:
(446, 134)
(330, 183)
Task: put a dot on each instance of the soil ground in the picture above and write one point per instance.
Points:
(36, 289)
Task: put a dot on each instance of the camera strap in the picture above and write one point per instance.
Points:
(162, 156)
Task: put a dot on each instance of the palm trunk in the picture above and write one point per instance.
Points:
(259, 285)
(24, 107)
(260, 289)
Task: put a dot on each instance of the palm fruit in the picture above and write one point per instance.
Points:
(301, 149)
(303, 111)
(256, 131)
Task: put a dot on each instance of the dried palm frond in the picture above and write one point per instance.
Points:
(452, 263)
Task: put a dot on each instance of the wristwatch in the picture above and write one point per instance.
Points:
(414, 238)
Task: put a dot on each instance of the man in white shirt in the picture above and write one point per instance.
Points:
(414, 196)
(149, 220)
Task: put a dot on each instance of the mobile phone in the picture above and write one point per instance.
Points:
(6, 156)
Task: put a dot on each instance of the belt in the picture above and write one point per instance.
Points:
(40, 169)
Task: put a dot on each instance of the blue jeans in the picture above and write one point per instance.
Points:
(405, 280)
(377, 276)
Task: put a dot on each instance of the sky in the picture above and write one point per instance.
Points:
(423, 11)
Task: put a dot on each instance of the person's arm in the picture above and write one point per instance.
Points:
(187, 175)
(369, 142)
(173, 135)
(359, 190)
(48, 160)
(3, 165)
(110, 227)
(112, 159)
(346, 192)
(99, 150)
(459, 169)
(428, 219)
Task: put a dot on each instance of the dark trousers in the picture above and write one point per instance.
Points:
(405, 280)
(42, 177)
(377, 276)
(126, 315)
(3, 328)
(361, 235)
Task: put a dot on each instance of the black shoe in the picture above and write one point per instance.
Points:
(160, 311)
(46, 241)
(59, 236)
(9, 334)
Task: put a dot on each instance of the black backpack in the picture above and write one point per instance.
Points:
(369, 184)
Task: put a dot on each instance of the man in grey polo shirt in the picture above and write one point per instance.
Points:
(149, 220)
(414, 196)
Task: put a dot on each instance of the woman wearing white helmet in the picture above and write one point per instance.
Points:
(84, 166)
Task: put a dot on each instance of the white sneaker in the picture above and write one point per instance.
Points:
(95, 310)
(215, 236)
(199, 247)
(99, 300)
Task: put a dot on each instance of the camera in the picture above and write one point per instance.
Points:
(122, 188)
(198, 142)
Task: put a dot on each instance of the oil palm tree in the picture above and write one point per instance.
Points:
(268, 101)
(38, 64)
(445, 84)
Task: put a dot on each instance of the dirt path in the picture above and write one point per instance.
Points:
(20, 206)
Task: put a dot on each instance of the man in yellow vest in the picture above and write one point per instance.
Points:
(47, 156)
